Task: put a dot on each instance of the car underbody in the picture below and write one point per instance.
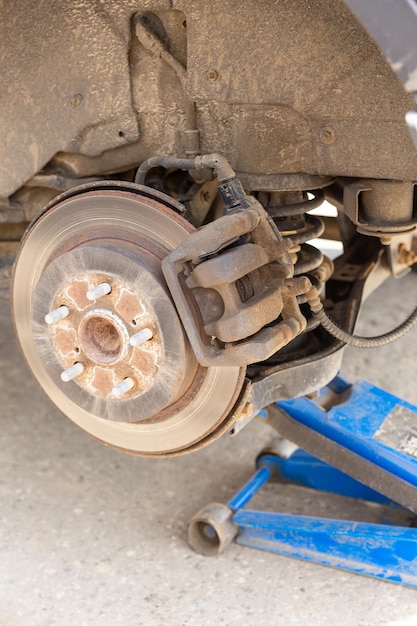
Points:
(162, 170)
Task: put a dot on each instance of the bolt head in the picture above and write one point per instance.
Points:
(327, 135)
(76, 100)
(212, 75)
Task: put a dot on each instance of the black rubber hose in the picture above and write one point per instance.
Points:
(207, 162)
(356, 340)
(162, 161)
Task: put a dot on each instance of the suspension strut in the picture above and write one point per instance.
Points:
(243, 304)
(301, 270)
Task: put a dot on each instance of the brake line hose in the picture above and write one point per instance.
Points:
(356, 340)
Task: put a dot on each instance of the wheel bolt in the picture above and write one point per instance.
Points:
(57, 314)
(97, 292)
(72, 372)
(123, 387)
(140, 337)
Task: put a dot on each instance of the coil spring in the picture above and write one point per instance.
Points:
(289, 210)
(295, 223)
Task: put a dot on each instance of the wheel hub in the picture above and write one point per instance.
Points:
(99, 330)
(121, 338)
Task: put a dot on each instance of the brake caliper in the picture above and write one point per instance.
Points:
(233, 285)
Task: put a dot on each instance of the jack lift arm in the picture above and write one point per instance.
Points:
(366, 440)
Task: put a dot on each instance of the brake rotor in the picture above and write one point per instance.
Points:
(100, 333)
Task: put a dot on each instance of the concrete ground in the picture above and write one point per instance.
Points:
(89, 536)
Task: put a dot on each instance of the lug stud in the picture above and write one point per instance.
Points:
(140, 337)
(123, 387)
(94, 293)
(72, 372)
(58, 314)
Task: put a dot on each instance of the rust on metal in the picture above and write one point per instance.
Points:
(98, 336)
(102, 380)
(144, 362)
(174, 403)
(77, 291)
(128, 306)
(65, 340)
(406, 256)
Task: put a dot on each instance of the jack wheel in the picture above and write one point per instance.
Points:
(211, 530)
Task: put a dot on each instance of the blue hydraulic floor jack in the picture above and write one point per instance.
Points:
(367, 440)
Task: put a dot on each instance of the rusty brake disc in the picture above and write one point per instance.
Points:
(100, 333)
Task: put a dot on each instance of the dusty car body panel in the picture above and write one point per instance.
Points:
(267, 78)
